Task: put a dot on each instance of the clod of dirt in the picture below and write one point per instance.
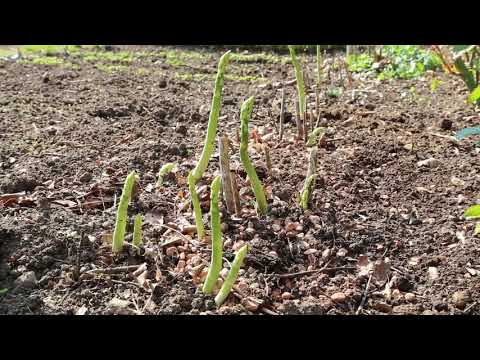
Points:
(181, 129)
(446, 124)
(162, 84)
(14, 183)
(27, 280)
(460, 299)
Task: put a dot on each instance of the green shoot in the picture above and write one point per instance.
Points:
(466, 74)
(217, 252)
(197, 173)
(3, 291)
(473, 212)
(312, 138)
(319, 66)
(477, 229)
(299, 77)
(164, 171)
(434, 85)
(257, 187)
(232, 275)
(119, 233)
(137, 230)
(307, 188)
(474, 96)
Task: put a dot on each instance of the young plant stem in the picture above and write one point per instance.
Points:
(121, 222)
(197, 173)
(319, 67)
(223, 147)
(217, 252)
(137, 230)
(312, 139)
(257, 187)
(310, 179)
(299, 77)
(231, 276)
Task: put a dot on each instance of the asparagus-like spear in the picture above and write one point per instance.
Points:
(216, 261)
(137, 230)
(196, 174)
(257, 187)
(232, 276)
(121, 222)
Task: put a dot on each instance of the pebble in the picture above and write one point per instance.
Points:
(342, 252)
(27, 280)
(276, 228)
(326, 253)
(314, 219)
(409, 297)
(238, 245)
(432, 273)
(383, 307)
(338, 297)
(460, 299)
(286, 295)
(431, 162)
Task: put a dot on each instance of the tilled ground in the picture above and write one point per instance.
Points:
(385, 233)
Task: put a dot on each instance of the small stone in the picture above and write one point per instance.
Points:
(27, 280)
(171, 251)
(432, 273)
(250, 305)
(290, 227)
(286, 295)
(431, 162)
(238, 245)
(314, 219)
(460, 299)
(326, 253)
(85, 177)
(299, 228)
(342, 252)
(383, 307)
(338, 297)
(310, 251)
(276, 228)
(409, 297)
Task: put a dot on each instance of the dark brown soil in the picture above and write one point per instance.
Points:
(68, 138)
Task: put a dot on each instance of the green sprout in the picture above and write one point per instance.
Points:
(257, 187)
(164, 170)
(434, 85)
(232, 275)
(196, 174)
(312, 138)
(137, 230)
(299, 77)
(119, 233)
(216, 261)
(307, 188)
(3, 291)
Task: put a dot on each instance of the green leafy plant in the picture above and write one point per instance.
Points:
(137, 230)
(196, 174)
(257, 187)
(121, 222)
(334, 92)
(435, 83)
(164, 170)
(231, 276)
(299, 77)
(217, 252)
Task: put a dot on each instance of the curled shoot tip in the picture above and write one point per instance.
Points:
(164, 170)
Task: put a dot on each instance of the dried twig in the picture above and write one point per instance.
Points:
(226, 173)
(113, 270)
(282, 113)
(365, 294)
(308, 272)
